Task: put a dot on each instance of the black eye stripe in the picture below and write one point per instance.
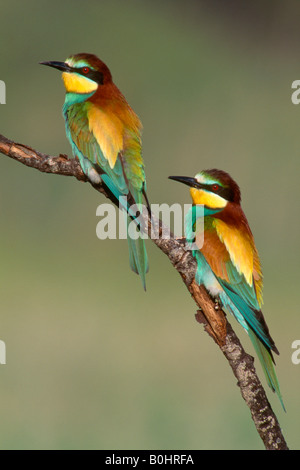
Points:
(94, 75)
(226, 193)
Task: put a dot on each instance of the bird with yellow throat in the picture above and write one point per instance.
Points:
(228, 265)
(105, 135)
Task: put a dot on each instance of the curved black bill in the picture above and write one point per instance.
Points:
(185, 180)
(58, 65)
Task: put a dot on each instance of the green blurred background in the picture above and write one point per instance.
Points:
(93, 361)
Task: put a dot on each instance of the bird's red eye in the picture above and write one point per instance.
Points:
(86, 70)
(215, 187)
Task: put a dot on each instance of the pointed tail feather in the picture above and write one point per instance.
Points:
(138, 258)
(267, 363)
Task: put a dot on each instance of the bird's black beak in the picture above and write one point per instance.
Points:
(58, 65)
(186, 180)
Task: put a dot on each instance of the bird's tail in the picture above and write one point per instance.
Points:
(138, 258)
(267, 364)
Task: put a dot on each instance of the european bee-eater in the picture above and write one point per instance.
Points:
(228, 264)
(105, 135)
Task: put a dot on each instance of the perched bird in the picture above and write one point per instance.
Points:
(105, 135)
(228, 264)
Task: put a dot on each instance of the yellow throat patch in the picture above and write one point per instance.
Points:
(208, 199)
(75, 83)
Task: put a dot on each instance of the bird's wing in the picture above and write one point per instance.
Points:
(233, 259)
(117, 132)
(97, 141)
(87, 144)
(232, 255)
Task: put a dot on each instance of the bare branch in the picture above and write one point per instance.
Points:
(213, 319)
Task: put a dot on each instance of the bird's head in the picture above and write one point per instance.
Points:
(82, 73)
(213, 189)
